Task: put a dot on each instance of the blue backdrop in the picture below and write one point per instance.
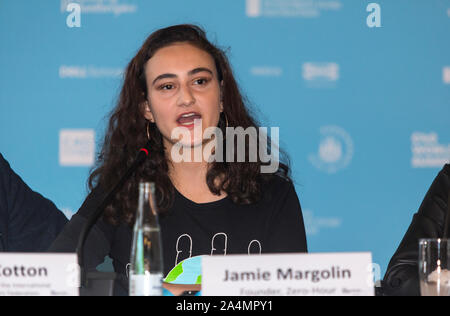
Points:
(359, 89)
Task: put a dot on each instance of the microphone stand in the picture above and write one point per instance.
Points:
(105, 279)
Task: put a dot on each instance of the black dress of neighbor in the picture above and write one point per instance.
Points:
(272, 225)
(402, 276)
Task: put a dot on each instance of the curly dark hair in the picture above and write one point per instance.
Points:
(127, 133)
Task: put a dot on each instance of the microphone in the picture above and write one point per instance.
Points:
(140, 158)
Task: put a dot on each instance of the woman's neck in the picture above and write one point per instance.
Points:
(188, 172)
(189, 178)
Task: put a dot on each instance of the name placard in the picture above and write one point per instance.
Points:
(324, 274)
(39, 274)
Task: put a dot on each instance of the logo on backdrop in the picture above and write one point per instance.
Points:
(427, 152)
(374, 18)
(85, 72)
(446, 75)
(320, 74)
(116, 7)
(266, 71)
(76, 147)
(74, 18)
(314, 225)
(335, 150)
(290, 8)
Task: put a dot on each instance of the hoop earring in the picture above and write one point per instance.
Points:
(148, 130)
(226, 119)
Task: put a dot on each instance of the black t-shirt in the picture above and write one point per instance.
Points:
(188, 229)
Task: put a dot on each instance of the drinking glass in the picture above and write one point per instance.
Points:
(434, 267)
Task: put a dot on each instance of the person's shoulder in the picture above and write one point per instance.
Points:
(446, 169)
(94, 198)
(278, 179)
(443, 178)
(277, 185)
(4, 165)
(437, 192)
(7, 175)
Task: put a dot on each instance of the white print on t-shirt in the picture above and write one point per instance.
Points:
(180, 251)
(224, 246)
(254, 242)
(214, 247)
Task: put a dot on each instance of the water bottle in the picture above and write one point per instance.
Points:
(146, 270)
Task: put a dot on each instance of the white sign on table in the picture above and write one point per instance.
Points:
(39, 274)
(324, 274)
